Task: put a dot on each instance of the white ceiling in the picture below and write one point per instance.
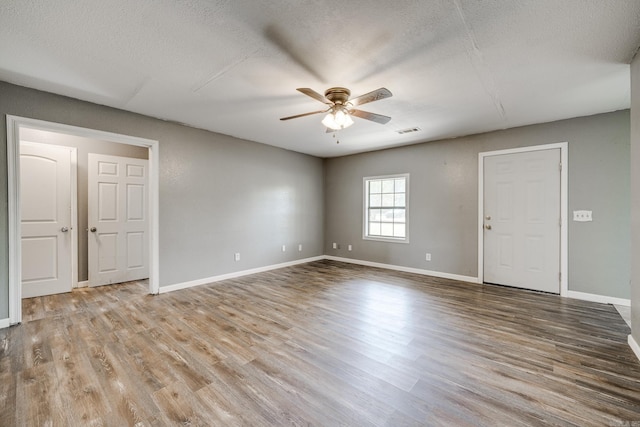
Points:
(455, 67)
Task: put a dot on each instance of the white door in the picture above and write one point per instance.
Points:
(45, 215)
(118, 223)
(522, 220)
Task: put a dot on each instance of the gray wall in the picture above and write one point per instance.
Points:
(84, 146)
(218, 194)
(635, 197)
(444, 200)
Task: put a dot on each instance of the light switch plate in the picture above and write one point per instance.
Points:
(582, 216)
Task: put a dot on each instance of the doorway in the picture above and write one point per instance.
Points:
(14, 126)
(522, 221)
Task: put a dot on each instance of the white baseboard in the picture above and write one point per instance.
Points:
(83, 284)
(634, 346)
(184, 285)
(206, 280)
(5, 323)
(405, 269)
(598, 298)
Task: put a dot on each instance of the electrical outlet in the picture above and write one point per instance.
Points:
(427, 257)
(300, 247)
(349, 248)
(335, 245)
(236, 256)
(582, 216)
(284, 248)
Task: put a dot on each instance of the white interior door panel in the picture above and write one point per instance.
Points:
(118, 219)
(45, 214)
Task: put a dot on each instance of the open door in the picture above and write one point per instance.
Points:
(118, 219)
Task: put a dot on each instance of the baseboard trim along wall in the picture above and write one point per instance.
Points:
(598, 298)
(5, 323)
(634, 346)
(206, 280)
(198, 282)
(406, 269)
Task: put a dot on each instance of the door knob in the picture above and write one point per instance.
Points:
(93, 229)
(64, 229)
(488, 226)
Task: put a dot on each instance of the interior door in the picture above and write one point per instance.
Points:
(45, 215)
(522, 220)
(118, 223)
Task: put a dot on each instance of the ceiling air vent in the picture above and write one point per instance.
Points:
(409, 130)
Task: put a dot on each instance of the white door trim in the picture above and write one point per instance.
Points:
(564, 159)
(14, 123)
(74, 208)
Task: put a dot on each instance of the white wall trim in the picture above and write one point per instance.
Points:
(83, 284)
(5, 323)
(14, 123)
(634, 346)
(405, 269)
(564, 206)
(598, 298)
(235, 274)
(15, 244)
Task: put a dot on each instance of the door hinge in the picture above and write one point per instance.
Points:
(559, 277)
(560, 166)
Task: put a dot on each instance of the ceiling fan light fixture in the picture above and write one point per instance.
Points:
(338, 118)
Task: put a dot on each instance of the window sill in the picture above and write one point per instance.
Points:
(386, 239)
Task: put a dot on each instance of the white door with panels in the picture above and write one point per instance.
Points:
(522, 219)
(45, 215)
(118, 219)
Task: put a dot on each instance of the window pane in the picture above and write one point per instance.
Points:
(386, 229)
(375, 186)
(399, 215)
(398, 200)
(400, 185)
(399, 230)
(375, 200)
(386, 215)
(387, 186)
(374, 228)
(387, 200)
(374, 215)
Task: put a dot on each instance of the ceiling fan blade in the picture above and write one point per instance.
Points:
(304, 114)
(313, 94)
(375, 95)
(378, 118)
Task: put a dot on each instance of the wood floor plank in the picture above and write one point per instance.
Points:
(323, 343)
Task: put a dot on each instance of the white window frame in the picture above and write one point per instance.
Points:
(365, 216)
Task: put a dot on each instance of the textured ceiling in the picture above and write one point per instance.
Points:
(455, 67)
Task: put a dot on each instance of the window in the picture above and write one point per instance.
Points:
(386, 206)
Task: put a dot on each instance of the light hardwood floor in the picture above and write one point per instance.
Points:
(325, 344)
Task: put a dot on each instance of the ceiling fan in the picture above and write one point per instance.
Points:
(341, 108)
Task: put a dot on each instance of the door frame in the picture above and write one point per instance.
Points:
(74, 209)
(14, 123)
(564, 226)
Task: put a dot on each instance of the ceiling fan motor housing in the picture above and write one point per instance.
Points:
(338, 95)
